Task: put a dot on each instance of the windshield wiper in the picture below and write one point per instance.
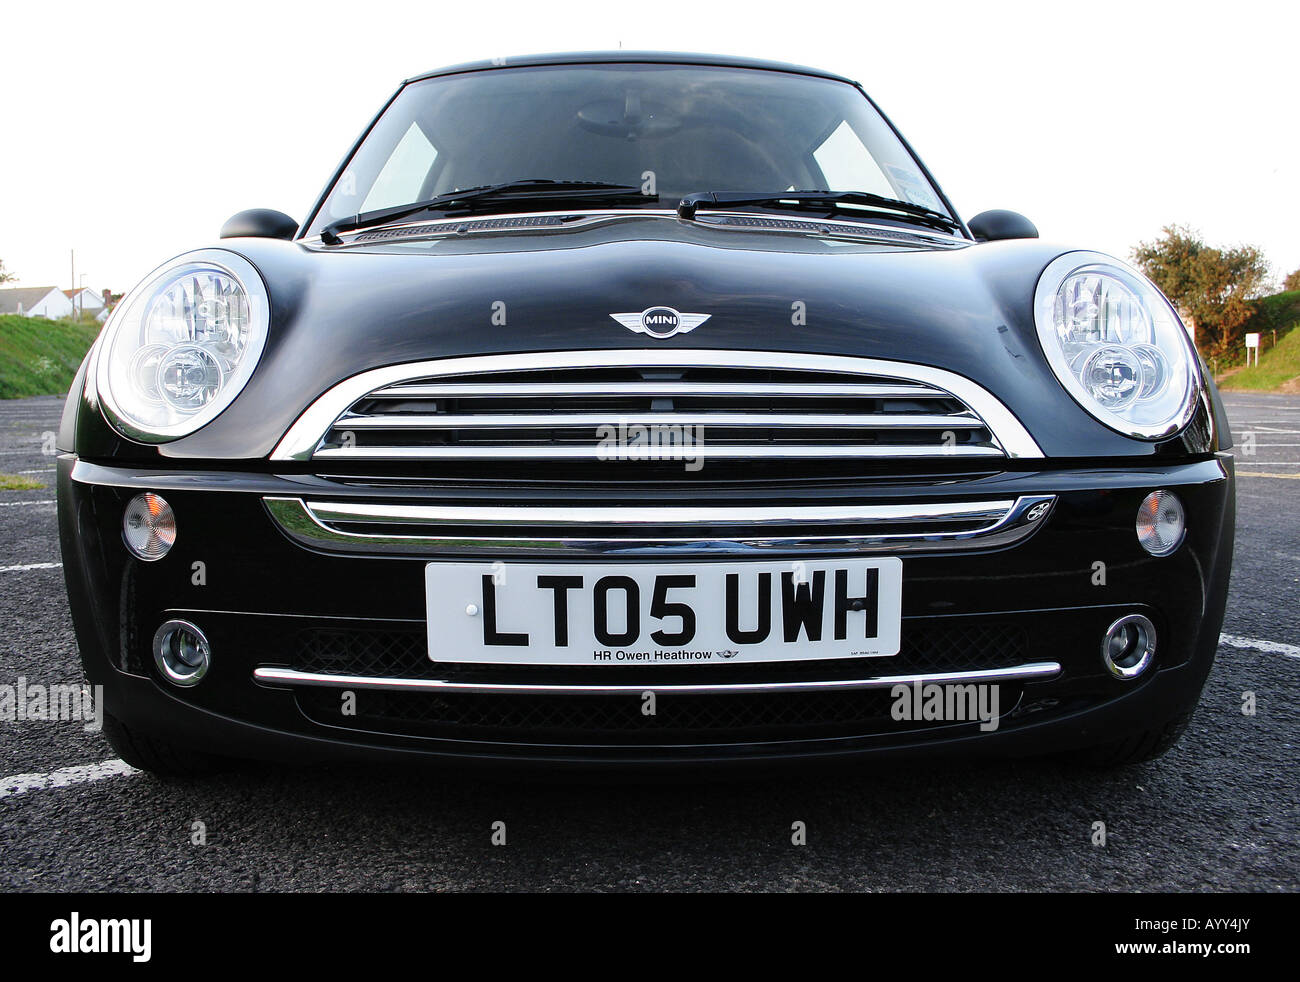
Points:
(828, 202)
(493, 197)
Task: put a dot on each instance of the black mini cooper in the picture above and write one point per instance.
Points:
(642, 409)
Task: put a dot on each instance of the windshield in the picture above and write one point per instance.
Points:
(666, 129)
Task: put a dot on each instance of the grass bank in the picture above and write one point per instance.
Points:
(1277, 366)
(40, 357)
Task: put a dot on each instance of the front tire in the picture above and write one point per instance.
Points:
(157, 755)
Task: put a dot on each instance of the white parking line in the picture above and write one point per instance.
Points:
(26, 566)
(1270, 647)
(64, 776)
(15, 504)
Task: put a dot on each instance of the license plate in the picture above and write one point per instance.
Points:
(663, 614)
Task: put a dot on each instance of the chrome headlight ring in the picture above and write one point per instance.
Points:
(182, 345)
(1116, 345)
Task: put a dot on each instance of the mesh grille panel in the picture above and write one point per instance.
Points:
(619, 719)
(966, 646)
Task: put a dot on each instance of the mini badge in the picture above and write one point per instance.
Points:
(661, 322)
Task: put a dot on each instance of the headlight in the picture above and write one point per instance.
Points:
(182, 345)
(1116, 345)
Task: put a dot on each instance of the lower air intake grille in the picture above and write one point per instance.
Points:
(618, 719)
(958, 647)
(609, 719)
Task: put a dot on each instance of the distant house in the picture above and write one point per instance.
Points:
(36, 301)
(108, 301)
(85, 300)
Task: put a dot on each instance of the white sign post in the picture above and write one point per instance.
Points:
(1252, 344)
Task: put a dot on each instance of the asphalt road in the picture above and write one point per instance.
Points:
(1218, 813)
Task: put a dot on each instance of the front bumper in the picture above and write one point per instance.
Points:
(268, 601)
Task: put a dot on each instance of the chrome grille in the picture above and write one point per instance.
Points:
(707, 405)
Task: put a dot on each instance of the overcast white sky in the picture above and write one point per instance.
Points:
(130, 130)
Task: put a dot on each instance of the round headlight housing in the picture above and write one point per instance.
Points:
(181, 346)
(1116, 345)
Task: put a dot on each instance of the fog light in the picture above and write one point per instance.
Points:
(1161, 523)
(1129, 646)
(149, 527)
(181, 652)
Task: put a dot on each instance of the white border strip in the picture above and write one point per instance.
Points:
(64, 777)
(1269, 647)
(24, 567)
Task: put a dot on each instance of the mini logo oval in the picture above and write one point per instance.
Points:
(661, 322)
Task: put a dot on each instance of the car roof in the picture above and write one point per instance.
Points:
(628, 57)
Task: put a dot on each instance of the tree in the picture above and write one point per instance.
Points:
(1292, 282)
(1215, 286)
(5, 277)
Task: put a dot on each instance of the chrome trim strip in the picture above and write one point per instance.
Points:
(559, 390)
(308, 525)
(534, 517)
(704, 417)
(1031, 671)
(699, 452)
(318, 419)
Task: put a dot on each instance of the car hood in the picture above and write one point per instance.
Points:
(337, 312)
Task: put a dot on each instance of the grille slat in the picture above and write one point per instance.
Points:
(554, 451)
(452, 421)
(754, 390)
(645, 530)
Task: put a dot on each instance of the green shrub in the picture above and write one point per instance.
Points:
(1270, 315)
(1280, 313)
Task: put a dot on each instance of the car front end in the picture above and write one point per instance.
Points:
(616, 482)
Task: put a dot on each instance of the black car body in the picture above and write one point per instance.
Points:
(444, 405)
